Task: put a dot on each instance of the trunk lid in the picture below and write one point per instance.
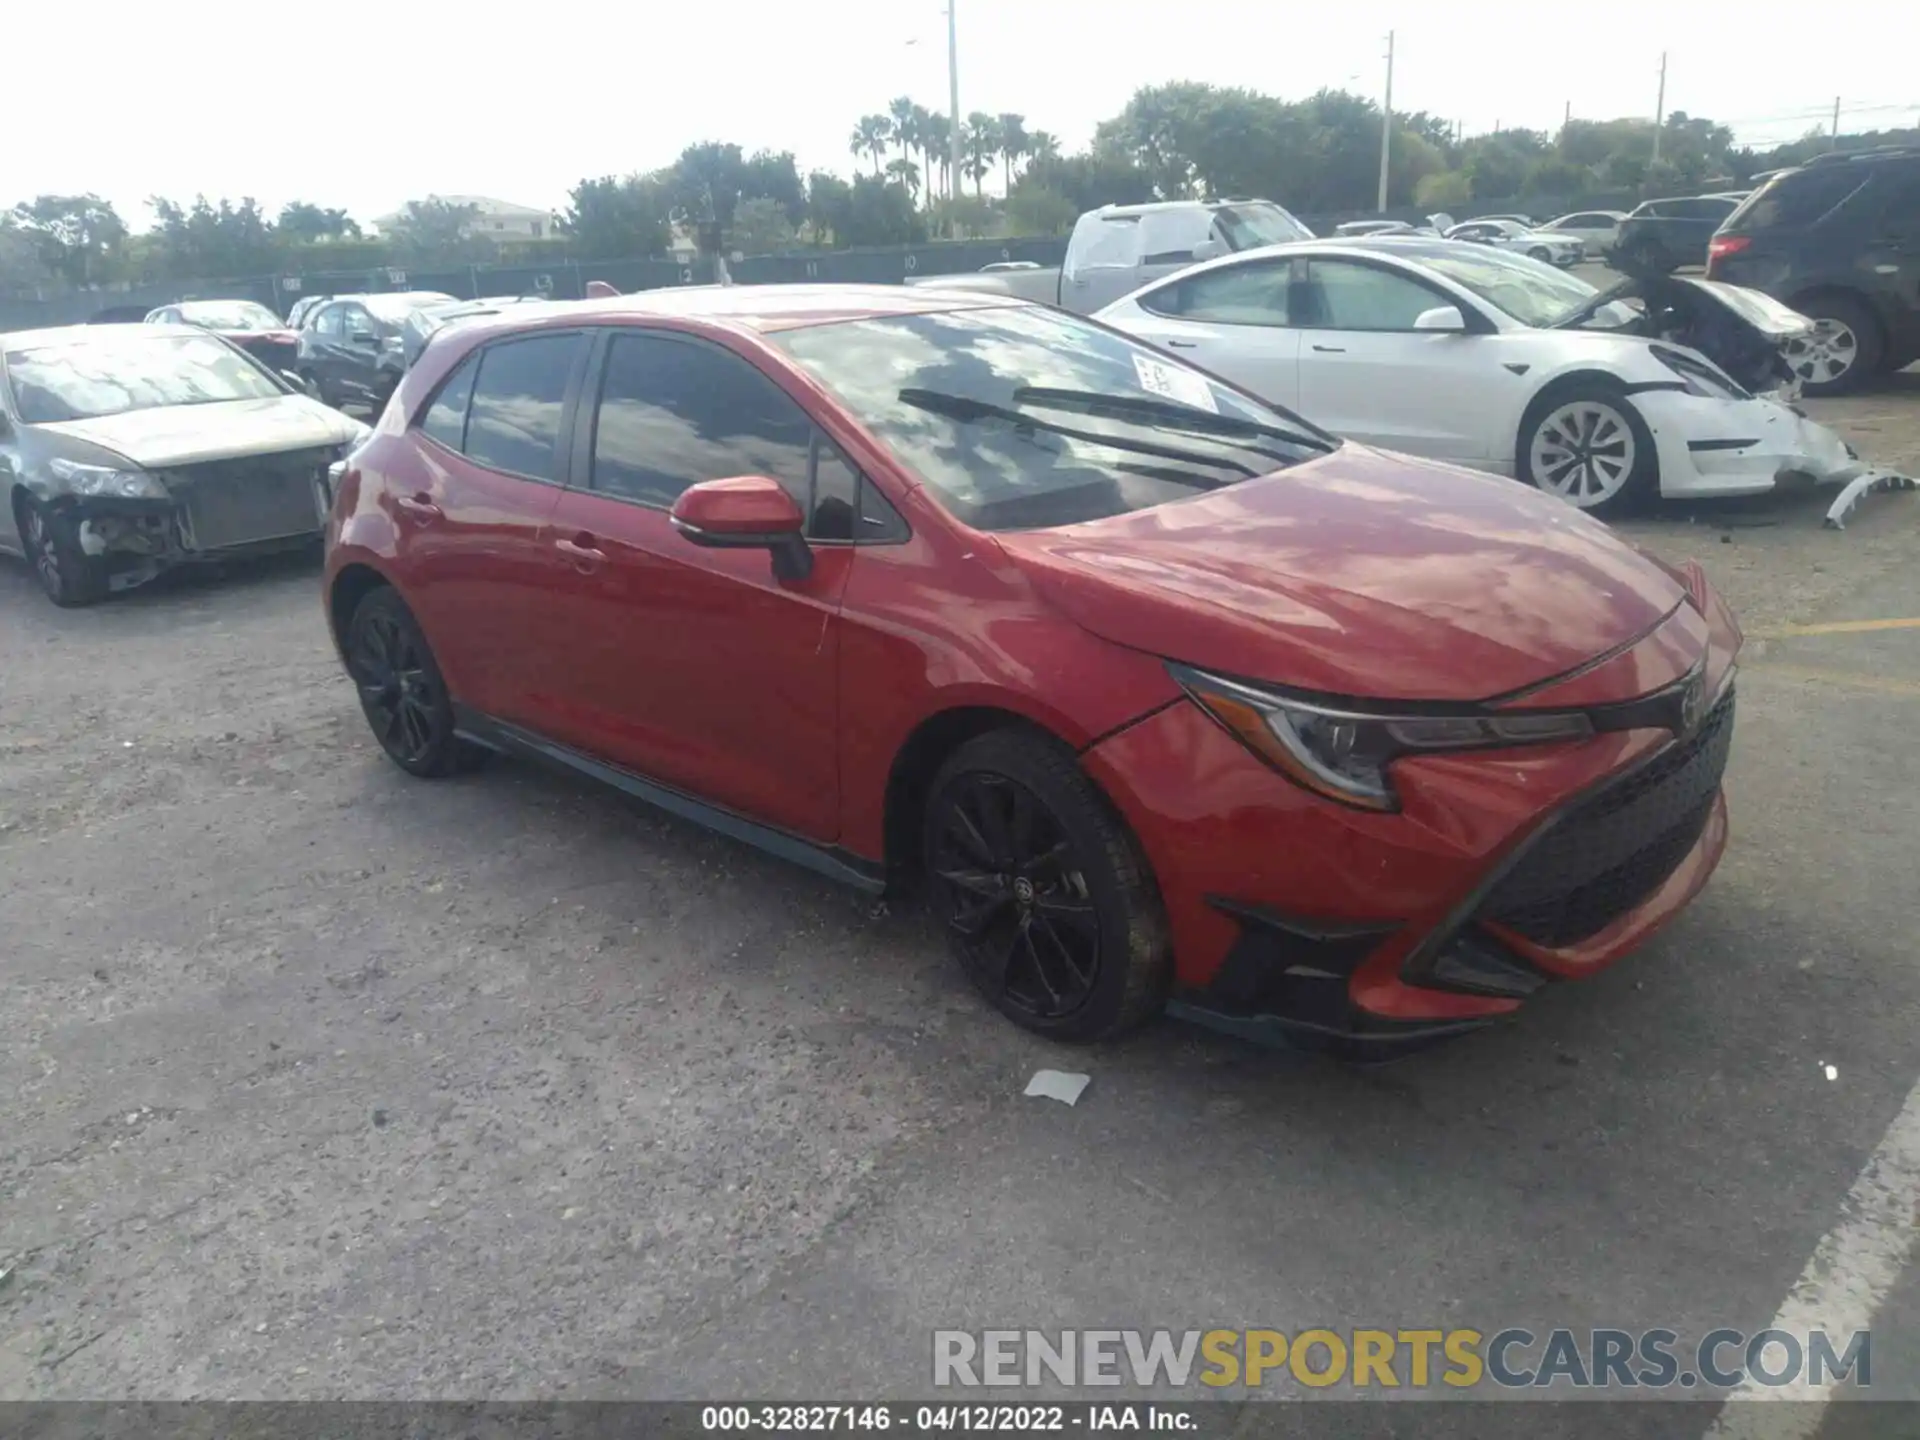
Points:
(1361, 574)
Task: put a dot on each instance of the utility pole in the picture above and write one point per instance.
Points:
(1386, 125)
(1836, 122)
(1660, 108)
(1566, 119)
(953, 126)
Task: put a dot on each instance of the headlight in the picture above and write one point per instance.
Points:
(1344, 754)
(1699, 377)
(103, 480)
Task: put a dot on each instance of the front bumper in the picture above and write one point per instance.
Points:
(1372, 935)
(1712, 448)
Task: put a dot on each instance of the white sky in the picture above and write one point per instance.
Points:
(368, 103)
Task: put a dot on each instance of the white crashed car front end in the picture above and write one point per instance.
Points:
(1734, 426)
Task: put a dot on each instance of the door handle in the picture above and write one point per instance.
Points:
(420, 507)
(1180, 344)
(1331, 349)
(584, 554)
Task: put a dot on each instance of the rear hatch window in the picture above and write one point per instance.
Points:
(1796, 199)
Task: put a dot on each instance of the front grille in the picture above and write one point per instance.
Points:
(1614, 849)
(250, 499)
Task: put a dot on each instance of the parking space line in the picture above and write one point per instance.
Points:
(1836, 627)
(1846, 679)
(1851, 1271)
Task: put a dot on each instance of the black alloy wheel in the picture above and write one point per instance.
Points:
(69, 576)
(401, 690)
(1045, 897)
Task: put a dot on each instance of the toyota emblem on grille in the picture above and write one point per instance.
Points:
(1693, 703)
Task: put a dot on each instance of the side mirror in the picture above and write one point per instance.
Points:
(747, 512)
(1208, 250)
(1441, 317)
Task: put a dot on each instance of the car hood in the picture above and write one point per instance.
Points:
(1361, 574)
(186, 434)
(1747, 309)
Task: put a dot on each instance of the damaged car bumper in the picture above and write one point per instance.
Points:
(1711, 447)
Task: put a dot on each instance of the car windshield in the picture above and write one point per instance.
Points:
(1021, 417)
(1531, 291)
(230, 315)
(83, 379)
(395, 308)
(1247, 227)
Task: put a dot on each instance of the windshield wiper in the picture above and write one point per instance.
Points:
(966, 407)
(1186, 417)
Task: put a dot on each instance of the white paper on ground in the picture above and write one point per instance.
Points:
(1058, 1085)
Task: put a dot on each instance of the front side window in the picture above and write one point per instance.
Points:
(1532, 293)
(1236, 295)
(1364, 297)
(676, 412)
(331, 322)
(1022, 416)
(1170, 236)
(513, 417)
(85, 379)
(1109, 245)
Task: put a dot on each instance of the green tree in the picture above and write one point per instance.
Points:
(1443, 190)
(302, 223)
(829, 206)
(1010, 130)
(772, 175)
(707, 180)
(906, 174)
(438, 232)
(206, 241)
(1038, 210)
(76, 235)
(939, 135)
(760, 227)
(880, 212)
(609, 219)
(900, 111)
(870, 138)
(979, 144)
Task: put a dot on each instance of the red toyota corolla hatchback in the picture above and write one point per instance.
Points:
(1172, 699)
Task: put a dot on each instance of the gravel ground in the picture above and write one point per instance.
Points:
(316, 1081)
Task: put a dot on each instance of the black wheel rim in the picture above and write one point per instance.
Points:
(396, 689)
(40, 545)
(1014, 896)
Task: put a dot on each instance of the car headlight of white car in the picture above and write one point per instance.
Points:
(1698, 376)
(105, 482)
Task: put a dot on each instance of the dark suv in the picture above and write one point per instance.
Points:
(1662, 235)
(1839, 240)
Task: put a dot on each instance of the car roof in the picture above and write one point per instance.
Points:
(79, 334)
(763, 308)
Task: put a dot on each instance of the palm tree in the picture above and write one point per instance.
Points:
(900, 112)
(908, 174)
(923, 144)
(1042, 145)
(871, 137)
(981, 142)
(939, 138)
(1014, 144)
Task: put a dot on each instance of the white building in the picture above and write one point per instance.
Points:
(495, 219)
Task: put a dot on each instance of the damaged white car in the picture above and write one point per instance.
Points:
(125, 449)
(1660, 386)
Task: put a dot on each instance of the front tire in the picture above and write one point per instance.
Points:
(402, 692)
(68, 575)
(1048, 902)
(1586, 444)
(1540, 253)
(1844, 351)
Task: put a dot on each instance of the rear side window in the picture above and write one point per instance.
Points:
(1236, 295)
(446, 418)
(1802, 198)
(1900, 206)
(513, 415)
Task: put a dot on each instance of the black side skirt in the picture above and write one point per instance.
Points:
(828, 860)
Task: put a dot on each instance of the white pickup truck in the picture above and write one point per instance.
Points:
(1116, 249)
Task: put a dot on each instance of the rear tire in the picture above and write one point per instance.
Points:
(402, 693)
(1047, 899)
(1845, 351)
(1584, 443)
(68, 576)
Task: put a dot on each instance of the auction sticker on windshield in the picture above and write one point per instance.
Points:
(1172, 383)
